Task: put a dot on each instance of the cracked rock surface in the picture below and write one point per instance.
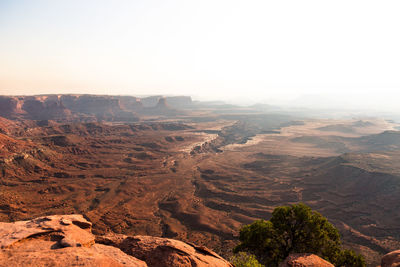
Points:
(67, 240)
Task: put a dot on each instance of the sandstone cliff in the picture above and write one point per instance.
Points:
(89, 107)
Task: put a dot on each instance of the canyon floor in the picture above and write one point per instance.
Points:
(201, 175)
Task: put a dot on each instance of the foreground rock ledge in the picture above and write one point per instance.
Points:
(67, 240)
(305, 260)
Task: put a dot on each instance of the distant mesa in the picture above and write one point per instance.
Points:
(162, 103)
(46, 109)
(179, 101)
(9, 106)
(87, 108)
(174, 101)
(105, 108)
(130, 103)
(33, 107)
(164, 108)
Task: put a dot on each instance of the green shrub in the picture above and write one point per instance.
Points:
(295, 229)
(350, 258)
(243, 259)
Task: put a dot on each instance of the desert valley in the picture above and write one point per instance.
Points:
(197, 171)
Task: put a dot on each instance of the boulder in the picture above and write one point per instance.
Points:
(97, 255)
(164, 252)
(305, 260)
(391, 259)
(67, 240)
(59, 240)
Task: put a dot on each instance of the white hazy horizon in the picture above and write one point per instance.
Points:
(308, 53)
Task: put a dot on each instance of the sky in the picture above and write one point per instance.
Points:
(250, 51)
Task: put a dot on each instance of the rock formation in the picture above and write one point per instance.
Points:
(180, 101)
(305, 260)
(89, 107)
(45, 109)
(130, 103)
(66, 240)
(162, 103)
(175, 101)
(391, 259)
(33, 107)
(162, 108)
(157, 251)
(9, 106)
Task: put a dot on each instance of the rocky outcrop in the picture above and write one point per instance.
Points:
(45, 109)
(162, 103)
(89, 107)
(91, 104)
(150, 101)
(162, 108)
(33, 107)
(174, 101)
(9, 106)
(69, 107)
(165, 252)
(107, 108)
(305, 260)
(60, 240)
(66, 240)
(130, 103)
(391, 259)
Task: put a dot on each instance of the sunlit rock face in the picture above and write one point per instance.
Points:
(165, 252)
(305, 260)
(59, 240)
(67, 240)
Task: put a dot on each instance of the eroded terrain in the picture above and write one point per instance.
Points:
(198, 174)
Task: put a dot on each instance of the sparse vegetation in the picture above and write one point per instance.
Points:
(62, 155)
(295, 229)
(243, 259)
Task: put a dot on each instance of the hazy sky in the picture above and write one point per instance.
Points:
(239, 49)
